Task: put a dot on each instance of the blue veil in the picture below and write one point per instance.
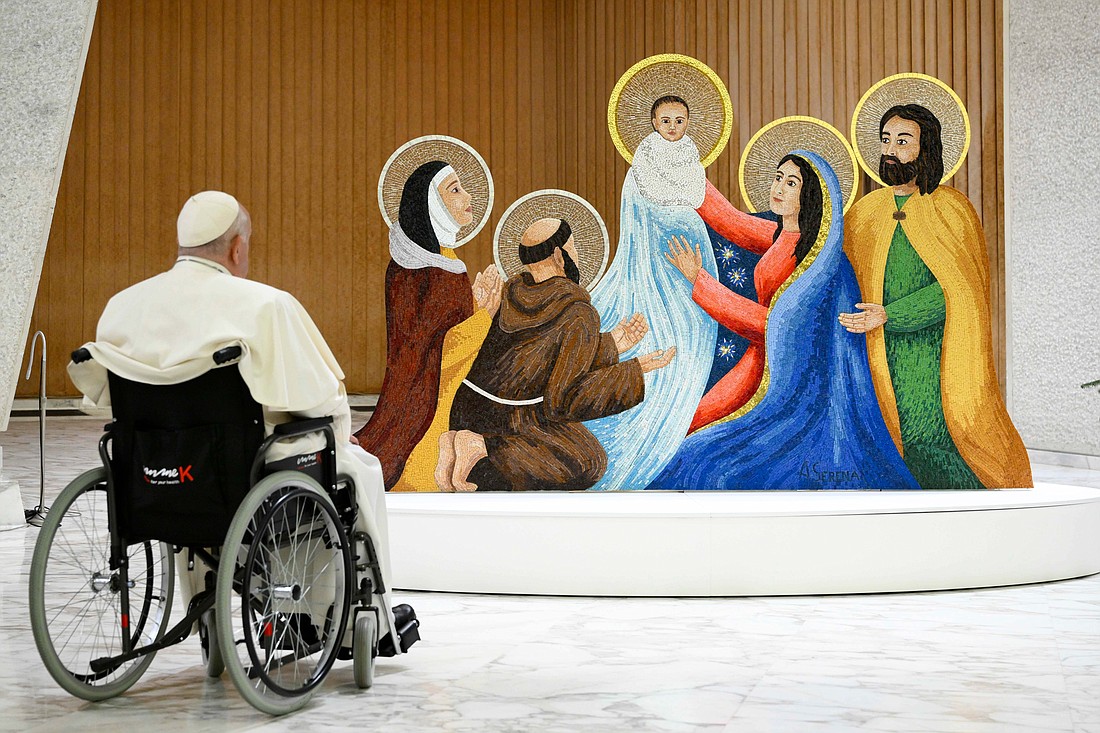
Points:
(818, 425)
(641, 440)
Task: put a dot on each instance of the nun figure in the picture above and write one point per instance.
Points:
(435, 320)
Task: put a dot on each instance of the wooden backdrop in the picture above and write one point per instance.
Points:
(294, 105)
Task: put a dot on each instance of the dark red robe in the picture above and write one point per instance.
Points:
(421, 306)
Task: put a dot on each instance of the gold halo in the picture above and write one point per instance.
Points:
(468, 164)
(628, 110)
(779, 137)
(589, 231)
(927, 91)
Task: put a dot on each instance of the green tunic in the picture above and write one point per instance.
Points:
(916, 311)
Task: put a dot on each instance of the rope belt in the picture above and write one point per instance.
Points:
(501, 400)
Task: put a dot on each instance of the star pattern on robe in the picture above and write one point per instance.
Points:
(736, 278)
(727, 256)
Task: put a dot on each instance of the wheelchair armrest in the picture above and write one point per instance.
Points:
(300, 427)
(283, 431)
(81, 355)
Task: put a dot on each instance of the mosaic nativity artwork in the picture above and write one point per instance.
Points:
(820, 340)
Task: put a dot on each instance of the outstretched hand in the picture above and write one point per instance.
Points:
(487, 288)
(873, 316)
(681, 256)
(629, 332)
(658, 359)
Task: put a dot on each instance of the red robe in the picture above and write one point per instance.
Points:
(744, 317)
(421, 306)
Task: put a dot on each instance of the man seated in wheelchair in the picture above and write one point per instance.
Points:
(165, 330)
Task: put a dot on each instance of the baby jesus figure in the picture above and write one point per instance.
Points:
(666, 163)
(665, 184)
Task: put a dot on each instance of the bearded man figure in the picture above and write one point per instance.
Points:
(919, 254)
(543, 369)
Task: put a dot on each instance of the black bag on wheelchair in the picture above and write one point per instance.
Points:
(181, 456)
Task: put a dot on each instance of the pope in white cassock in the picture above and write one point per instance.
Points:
(164, 330)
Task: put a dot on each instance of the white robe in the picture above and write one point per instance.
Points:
(661, 191)
(164, 330)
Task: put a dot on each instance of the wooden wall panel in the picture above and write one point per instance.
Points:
(294, 106)
(807, 57)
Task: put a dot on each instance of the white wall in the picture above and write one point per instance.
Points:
(1052, 180)
(43, 44)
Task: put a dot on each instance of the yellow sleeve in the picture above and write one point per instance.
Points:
(464, 340)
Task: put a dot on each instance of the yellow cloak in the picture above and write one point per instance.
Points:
(945, 231)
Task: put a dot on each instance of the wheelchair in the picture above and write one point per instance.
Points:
(293, 585)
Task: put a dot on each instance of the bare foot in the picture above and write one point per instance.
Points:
(446, 465)
(469, 449)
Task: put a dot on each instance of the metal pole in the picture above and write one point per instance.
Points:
(39, 511)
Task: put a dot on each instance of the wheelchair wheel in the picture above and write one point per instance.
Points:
(75, 597)
(366, 640)
(284, 592)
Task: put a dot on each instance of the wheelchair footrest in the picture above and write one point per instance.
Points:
(407, 626)
(410, 634)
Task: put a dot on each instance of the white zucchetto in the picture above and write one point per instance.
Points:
(205, 217)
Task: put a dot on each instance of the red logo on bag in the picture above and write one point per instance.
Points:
(167, 476)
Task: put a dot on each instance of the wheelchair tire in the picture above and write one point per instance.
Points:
(281, 619)
(363, 653)
(74, 596)
(208, 640)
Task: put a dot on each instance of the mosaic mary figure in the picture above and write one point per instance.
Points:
(817, 424)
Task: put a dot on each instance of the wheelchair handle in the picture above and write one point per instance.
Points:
(228, 354)
(221, 356)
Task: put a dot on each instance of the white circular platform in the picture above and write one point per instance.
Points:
(742, 543)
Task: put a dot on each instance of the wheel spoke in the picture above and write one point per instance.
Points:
(287, 588)
(74, 622)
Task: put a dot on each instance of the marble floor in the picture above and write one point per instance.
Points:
(1004, 659)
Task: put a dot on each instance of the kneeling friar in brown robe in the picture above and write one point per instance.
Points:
(544, 368)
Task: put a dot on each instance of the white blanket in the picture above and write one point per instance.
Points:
(669, 173)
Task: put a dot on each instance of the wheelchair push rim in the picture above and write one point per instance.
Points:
(75, 595)
(284, 592)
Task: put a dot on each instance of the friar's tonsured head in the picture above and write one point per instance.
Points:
(548, 244)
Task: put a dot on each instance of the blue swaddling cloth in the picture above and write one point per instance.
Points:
(642, 440)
